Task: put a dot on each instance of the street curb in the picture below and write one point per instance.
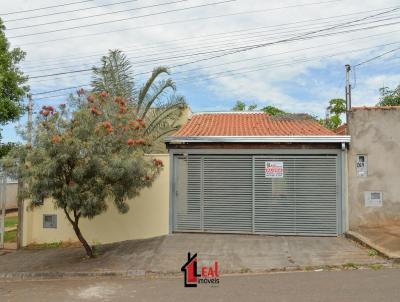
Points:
(368, 243)
(45, 275)
(61, 275)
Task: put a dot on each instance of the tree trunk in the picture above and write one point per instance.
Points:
(75, 225)
(88, 248)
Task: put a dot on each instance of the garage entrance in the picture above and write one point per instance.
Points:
(277, 194)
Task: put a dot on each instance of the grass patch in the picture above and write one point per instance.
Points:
(53, 245)
(376, 266)
(96, 248)
(11, 221)
(245, 270)
(372, 253)
(350, 265)
(10, 236)
(50, 245)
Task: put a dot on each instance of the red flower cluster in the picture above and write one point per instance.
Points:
(95, 111)
(132, 142)
(46, 110)
(56, 139)
(121, 104)
(90, 99)
(107, 125)
(118, 100)
(139, 123)
(104, 94)
(158, 163)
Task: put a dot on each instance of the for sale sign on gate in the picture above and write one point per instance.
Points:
(273, 169)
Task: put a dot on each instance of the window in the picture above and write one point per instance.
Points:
(362, 165)
(49, 221)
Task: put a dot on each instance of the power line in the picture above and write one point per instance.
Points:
(249, 36)
(270, 55)
(45, 7)
(227, 37)
(171, 67)
(228, 51)
(124, 19)
(205, 36)
(70, 11)
(177, 22)
(278, 63)
(377, 57)
(242, 49)
(97, 15)
(74, 87)
(288, 63)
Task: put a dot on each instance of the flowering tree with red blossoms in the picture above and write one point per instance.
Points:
(85, 159)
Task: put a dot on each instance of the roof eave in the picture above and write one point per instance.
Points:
(259, 139)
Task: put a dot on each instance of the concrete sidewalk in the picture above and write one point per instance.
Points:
(235, 253)
(384, 239)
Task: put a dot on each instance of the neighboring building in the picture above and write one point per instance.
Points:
(374, 166)
(11, 195)
(256, 174)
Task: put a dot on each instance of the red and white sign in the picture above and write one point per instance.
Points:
(273, 169)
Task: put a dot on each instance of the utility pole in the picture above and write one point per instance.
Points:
(20, 184)
(348, 91)
(3, 209)
(30, 106)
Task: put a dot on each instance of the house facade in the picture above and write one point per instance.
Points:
(252, 173)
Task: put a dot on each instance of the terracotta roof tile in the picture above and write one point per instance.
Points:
(341, 130)
(249, 124)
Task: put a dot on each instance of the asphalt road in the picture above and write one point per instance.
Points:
(357, 285)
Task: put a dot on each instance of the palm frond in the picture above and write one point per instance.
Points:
(158, 90)
(149, 83)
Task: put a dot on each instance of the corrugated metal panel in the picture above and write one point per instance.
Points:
(304, 201)
(227, 192)
(188, 193)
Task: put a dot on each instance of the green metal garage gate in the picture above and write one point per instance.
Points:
(235, 194)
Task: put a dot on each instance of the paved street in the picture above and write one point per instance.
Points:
(357, 285)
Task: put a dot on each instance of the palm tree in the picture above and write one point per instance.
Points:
(156, 101)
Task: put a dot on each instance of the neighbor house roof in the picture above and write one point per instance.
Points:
(251, 126)
(375, 107)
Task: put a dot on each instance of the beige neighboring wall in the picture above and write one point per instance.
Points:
(148, 217)
(375, 133)
(11, 195)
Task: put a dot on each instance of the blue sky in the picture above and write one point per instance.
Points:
(297, 76)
